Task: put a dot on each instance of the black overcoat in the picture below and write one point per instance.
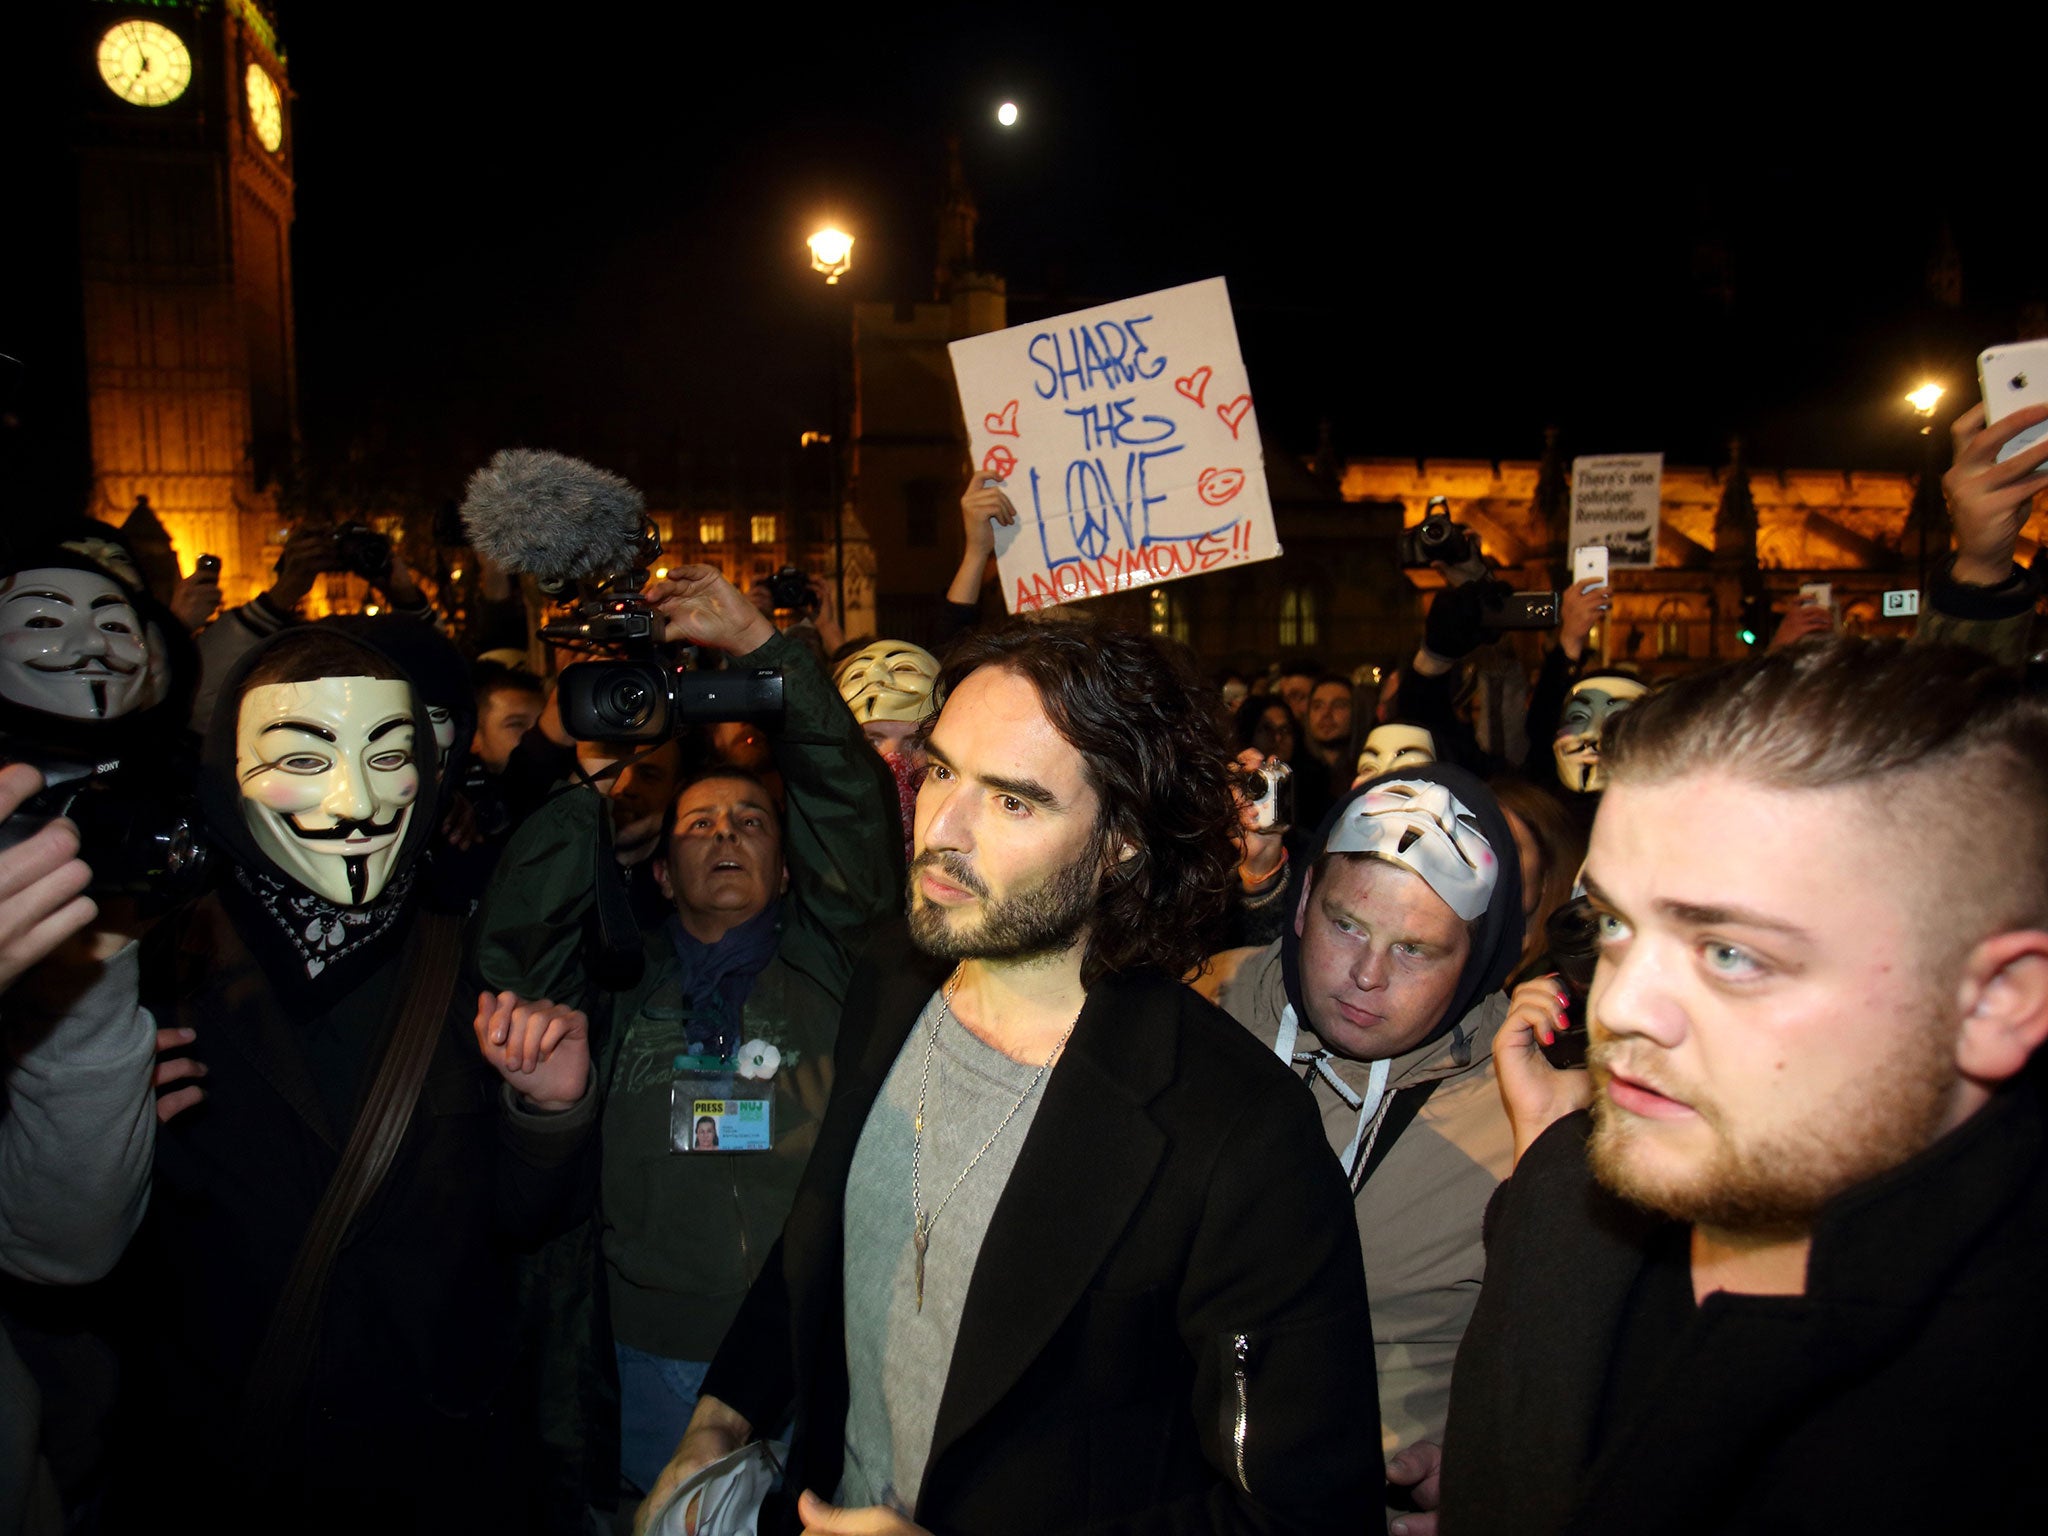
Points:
(1903, 1392)
(1166, 1329)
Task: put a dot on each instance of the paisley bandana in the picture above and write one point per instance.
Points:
(316, 931)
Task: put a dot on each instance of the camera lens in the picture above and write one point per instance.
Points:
(627, 702)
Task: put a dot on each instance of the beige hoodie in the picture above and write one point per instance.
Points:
(1419, 1214)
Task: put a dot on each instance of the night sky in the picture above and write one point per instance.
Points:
(584, 230)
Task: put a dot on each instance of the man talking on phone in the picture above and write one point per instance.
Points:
(1776, 1261)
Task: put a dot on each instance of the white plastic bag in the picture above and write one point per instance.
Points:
(724, 1499)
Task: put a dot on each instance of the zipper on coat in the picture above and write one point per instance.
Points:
(1241, 1350)
(740, 1211)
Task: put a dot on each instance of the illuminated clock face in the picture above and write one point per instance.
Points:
(266, 109)
(145, 62)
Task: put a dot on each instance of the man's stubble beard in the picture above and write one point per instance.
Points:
(1780, 1178)
(1047, 919)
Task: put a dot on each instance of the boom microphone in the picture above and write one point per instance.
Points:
(553, 517)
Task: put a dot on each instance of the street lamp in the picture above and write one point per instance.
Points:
(1927, 503)
(831, 252)
(1924, 400)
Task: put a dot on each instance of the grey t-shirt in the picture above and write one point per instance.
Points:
(896, 1355)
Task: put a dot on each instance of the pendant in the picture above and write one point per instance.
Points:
(920, 1236)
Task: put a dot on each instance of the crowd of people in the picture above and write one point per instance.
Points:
(1026, 1085)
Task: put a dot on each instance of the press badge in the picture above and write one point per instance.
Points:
(712, 1108)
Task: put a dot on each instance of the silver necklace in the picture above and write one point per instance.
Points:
(921, 1231)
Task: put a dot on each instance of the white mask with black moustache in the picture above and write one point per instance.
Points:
(72, 644)
(328, 778)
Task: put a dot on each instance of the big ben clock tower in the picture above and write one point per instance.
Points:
(185, 211)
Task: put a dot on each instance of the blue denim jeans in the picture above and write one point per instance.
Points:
(656, 1398)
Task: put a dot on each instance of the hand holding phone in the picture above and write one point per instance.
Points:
(1589, 563)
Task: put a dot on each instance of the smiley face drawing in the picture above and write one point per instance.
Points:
(1216, 486)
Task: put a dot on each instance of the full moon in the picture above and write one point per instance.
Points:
(1006, 114)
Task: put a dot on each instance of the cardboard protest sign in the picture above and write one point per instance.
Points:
(1616, 501)
(1126, 439)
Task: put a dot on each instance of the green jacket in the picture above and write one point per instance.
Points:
(682, 1236)
(1996, 620)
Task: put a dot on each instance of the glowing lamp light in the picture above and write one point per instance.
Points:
(831, 252)
(661, 573)
(1746, 635)
(1006, 114)
(1925, 398)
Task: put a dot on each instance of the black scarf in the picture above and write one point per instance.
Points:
(311, 949)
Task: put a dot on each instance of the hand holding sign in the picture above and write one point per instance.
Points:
(1127, 439)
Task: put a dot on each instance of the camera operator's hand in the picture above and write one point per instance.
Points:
(1580, 607)
(194, 599)
(826, 619)
(400, 587)
(1472, 568)
(1456, 625)
(1988, 502)
(308, 555)
(699, 605)
(42, 883)
(1537, 1095)
(1802, 620)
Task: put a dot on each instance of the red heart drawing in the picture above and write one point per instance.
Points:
(998, 461)
(1216, 486)
(1003, 421)
(1195, 385)
(1234, 413)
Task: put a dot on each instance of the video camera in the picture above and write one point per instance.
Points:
(654, 691)
(573, 526)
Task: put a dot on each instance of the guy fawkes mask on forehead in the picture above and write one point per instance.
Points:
(328, 776)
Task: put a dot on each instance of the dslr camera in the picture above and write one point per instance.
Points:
(137, 839)
(653, 691)
(362, 551)
(1436, 537)
(790, 591)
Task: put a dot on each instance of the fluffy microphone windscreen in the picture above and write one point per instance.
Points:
(551, 516)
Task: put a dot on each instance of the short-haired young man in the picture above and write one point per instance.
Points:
(1787, 1273)
(1070, 1252)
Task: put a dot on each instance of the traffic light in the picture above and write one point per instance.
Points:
(1756, 618)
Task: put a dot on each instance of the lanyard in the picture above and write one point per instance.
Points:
(1318, 1063)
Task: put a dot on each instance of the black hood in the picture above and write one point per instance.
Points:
(1496, 937)
(431, 661)
(220, 797)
